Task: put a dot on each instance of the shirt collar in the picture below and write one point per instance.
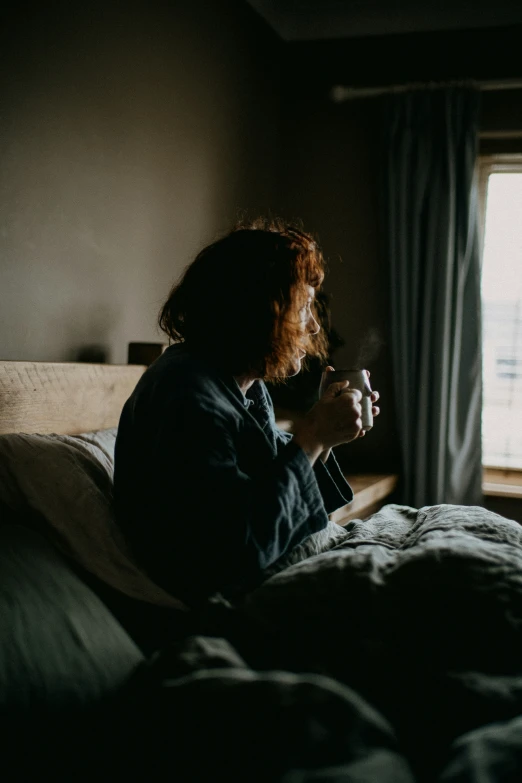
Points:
(247, 401)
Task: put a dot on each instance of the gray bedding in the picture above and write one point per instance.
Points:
(391, 652)
(420, 612)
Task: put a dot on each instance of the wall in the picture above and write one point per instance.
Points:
(131, 134)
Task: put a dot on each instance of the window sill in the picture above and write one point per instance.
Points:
(501, 482)
(370, 491)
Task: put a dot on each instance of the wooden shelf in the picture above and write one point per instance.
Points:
(370, 491)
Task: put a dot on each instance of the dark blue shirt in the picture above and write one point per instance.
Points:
(208, 491)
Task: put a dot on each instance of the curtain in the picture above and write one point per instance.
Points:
(432, 252)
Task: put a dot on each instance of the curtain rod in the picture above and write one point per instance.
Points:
(340, 93)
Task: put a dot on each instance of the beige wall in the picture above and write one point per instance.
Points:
(128, 140)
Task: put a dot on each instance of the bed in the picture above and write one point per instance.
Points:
(388, 651)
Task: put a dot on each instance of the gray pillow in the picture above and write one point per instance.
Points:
(59, 645)
(67, 481)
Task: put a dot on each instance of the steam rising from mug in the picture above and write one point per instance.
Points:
(369, 349)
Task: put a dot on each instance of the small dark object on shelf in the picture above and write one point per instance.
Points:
(144, 353)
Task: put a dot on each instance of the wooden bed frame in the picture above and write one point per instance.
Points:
(66, 398)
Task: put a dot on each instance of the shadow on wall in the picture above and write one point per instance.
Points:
(137, 353)
(93, 354)
(88, 327)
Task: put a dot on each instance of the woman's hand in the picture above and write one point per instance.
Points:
(375, 410)
(334, 419)
(323, 456)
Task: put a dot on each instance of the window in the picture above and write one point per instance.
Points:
(502, 318)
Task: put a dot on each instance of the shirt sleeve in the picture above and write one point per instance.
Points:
(224, 517)
(335, 490)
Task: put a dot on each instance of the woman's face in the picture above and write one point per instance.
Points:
(307, 326)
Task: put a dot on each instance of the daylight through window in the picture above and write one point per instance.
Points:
(502, 319)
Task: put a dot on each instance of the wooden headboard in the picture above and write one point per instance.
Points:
(64, 398)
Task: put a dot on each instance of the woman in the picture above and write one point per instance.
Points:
(208, 491)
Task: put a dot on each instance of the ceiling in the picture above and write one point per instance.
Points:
(309, 20)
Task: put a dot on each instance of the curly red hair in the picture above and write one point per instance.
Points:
(239, 301)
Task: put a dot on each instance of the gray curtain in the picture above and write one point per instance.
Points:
(433, 256)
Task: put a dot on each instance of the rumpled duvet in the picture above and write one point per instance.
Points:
(389, 651)
(196, 712)
(420, 613)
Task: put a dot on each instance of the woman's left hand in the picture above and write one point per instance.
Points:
(374, 396)
(375, 412)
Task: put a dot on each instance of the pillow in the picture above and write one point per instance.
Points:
(67, 481)
(59, 644)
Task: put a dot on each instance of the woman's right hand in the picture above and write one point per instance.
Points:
(334, 419)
